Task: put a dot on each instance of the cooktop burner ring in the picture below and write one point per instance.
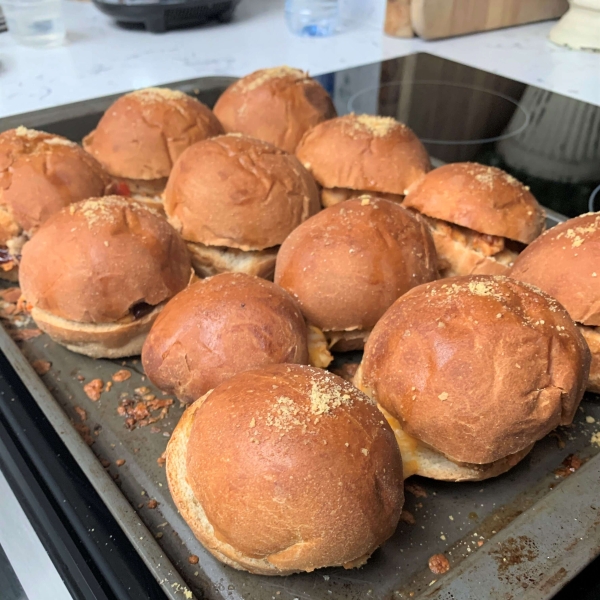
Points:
(352, 101)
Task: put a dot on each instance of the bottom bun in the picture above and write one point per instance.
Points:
(420, 459)
(592, 338)
(333, 196)
(347, 341)
(213, 260)
(98, 340)
(464, 252)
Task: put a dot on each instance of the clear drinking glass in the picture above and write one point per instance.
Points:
(36, 23)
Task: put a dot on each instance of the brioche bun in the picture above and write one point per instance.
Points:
(238, 192)
(365, 153)
(276, 105)
(143, 133)
(476, 368)
(104, 261)
(286, 469)
(221, 326)
(41, 173)
(484, 199)
(350, 262)
(565, 263)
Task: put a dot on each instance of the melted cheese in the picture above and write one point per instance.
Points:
(409, 446)
(318, 353)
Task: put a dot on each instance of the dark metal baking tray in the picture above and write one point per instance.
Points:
(525, 533)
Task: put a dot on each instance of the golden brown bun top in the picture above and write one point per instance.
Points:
(364, 152)
(95, 260)
(269, 449)
(565, 263)
(484, 199)
(349, 263)
(143, 133)
(237, 191)
(275, 105)
(478, 367)
(221, 326)
(40, 173)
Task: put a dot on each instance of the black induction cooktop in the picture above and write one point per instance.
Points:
(549, 141)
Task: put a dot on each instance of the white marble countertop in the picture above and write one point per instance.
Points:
(100, 58)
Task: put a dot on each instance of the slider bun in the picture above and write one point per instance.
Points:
(221, 326)
(40, 174)
(565, 263)
(275, 105)
(478, 367)
(364, 152)
(143, 133)
(98, 340)
(484, 199)
(239, 192)
(95, 260)
(350, 262)
(286, 469)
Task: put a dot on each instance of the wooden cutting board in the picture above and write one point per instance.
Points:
(433, 19)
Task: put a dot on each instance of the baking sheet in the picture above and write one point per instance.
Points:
(526, 532)
(463, 521)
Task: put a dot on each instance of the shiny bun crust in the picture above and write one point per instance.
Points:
(484, 199)
(364, 152)
(592, 338)
(350, 262)
(40, 174)
(286, 469)
(275, 105)
(477, 367)
(143, 133)
(239, 192)
(221, 326)
(565, 263)
(96, 260)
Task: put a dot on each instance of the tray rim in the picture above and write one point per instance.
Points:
(136, 531)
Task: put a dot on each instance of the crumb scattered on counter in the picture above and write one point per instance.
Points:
(438, 564)
(41, 367)
(108, 386)
(193, 559)
(152, 504)
(595, 439)
(93, 389)
(120, 462)
(590, 419)
(121, 375)
(105, 463)
(162, 459)
(81, 413)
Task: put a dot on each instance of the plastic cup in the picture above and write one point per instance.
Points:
(36, 23)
